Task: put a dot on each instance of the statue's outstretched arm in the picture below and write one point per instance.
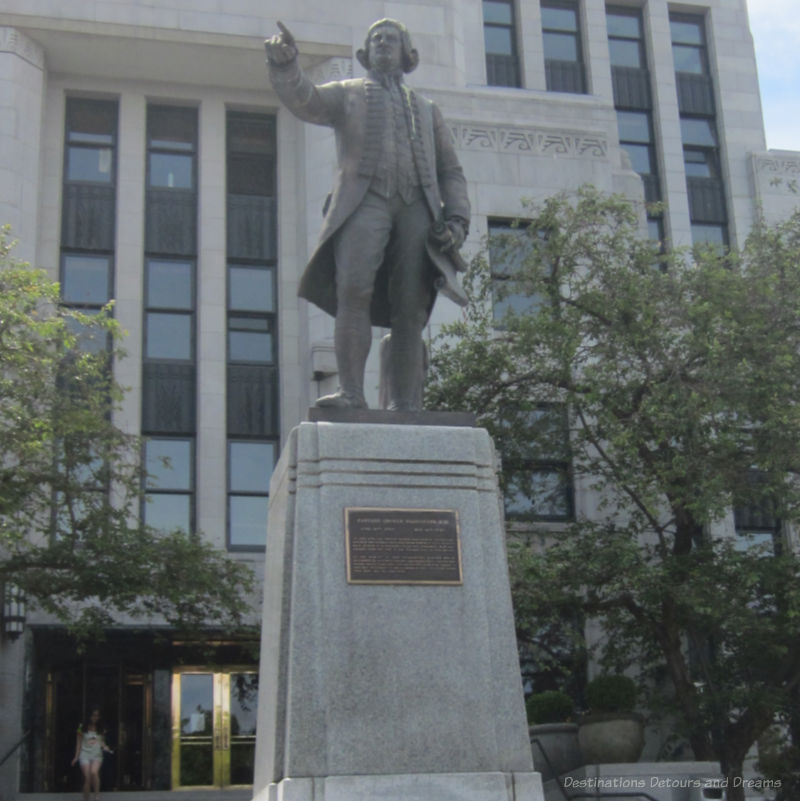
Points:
(317, 104)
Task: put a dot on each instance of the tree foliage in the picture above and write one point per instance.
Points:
(681, 376)
(71, 480)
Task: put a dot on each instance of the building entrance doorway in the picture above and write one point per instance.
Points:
(213, 726)
(123, 695)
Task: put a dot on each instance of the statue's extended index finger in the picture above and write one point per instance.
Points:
(286, 34)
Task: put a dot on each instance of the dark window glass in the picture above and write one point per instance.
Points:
(498, 40)
(696, 131)
(169, 382)
(248, 520)
(91, 121)
(86, 279)
(91, 133)
(169, 284)
(539, 483)
(655, 229)
(624, 25)
(171, 170)
(625, 53)
(168, 463)
(169, 336)
(250, 289)
(541, 493)
(499, 37)
(687, 31)
(93, 164)
(508, 248)
(251, 133)
(250, 175)
(171, 138)
(250, 340)
(700, 144)
(167, 511)
(756, 523)
(88, 216)
(711, 234)
(699, 163)
(560, 46)
(634, 126)
(251, 466)
(688, 59)
(497, 11)
(559, 18)
(251, 149)
(251, 328)
(641, 157)
(169, 483)
(89, 339)
(171, 128)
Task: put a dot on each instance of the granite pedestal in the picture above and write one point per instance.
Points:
(398, 692)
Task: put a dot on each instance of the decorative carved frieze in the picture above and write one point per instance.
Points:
(533, 141)
(333, 69)
(780, 165)
(781, 171)
(16, 42)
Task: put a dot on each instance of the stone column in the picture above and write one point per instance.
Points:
(22, 79)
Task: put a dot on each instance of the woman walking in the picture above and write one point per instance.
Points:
(89, 748)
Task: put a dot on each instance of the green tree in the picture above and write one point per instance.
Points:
(71, 480)
(681, 377)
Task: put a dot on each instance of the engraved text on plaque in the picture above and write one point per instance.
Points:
(402, 546)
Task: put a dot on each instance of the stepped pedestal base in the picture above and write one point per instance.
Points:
(389, 665)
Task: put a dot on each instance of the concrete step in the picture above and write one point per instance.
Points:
(237, 794)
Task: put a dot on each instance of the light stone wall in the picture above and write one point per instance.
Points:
(22, 81)
(776, 177)
(739, 119)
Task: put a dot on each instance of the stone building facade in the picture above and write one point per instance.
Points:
(144, 157)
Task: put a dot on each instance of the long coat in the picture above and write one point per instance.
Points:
(358, 110)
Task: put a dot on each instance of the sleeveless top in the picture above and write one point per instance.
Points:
(91, 745)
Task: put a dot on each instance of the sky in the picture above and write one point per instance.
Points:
(776, 32)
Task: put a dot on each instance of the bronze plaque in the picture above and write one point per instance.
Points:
(402, 546)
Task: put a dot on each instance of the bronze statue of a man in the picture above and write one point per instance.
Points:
(377, 262)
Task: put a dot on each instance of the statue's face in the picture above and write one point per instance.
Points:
(385, 49)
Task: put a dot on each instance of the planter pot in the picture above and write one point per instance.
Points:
(560, 742)
(611, 737)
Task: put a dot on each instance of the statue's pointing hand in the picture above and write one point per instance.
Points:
(281, 48)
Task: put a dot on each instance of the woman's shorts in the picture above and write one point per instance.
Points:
(84, 760)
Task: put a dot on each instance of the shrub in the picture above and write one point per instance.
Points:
(550, 706)
(615, 693)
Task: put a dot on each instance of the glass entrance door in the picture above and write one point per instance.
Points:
(213, 727)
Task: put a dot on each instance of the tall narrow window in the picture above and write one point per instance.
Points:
(170, 483)
(89, 207)
(701, 149)
(563, 57)
(88, 220)
(755, 521)
(169, 358)
(632, 99)
(509, 246)
(252, 346)
(539, 481)
(499, 37)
